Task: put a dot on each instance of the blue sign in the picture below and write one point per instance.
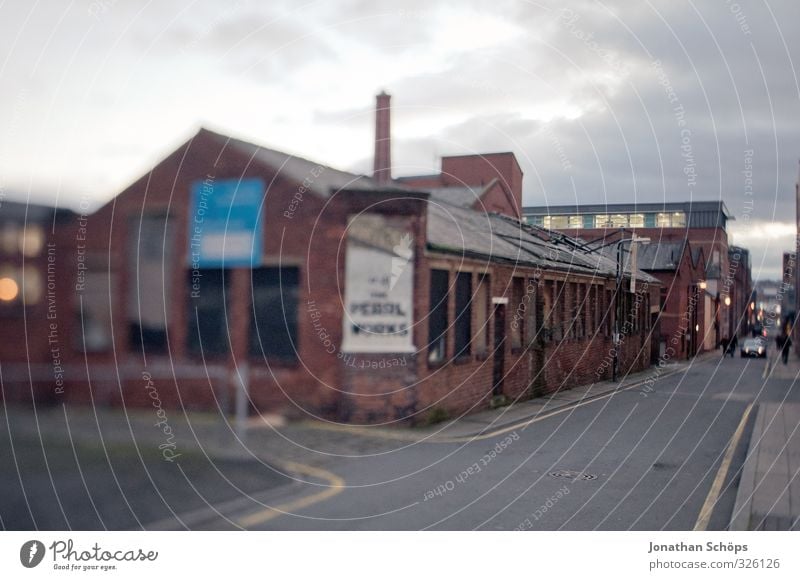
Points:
(224, 223)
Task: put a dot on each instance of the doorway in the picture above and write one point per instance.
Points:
(499, 349)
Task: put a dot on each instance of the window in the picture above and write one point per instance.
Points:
(20, 286)
(560, 309)
(575, 222)
(556, 222)
(9, 238)
(567, 310)
(547, 310)
(437, 316)
(27, 239)
(671, 220)
(482, 314)
(602, 221)
(273, 326)
(609, 311)
(31, 241)
(93, 312)
(463, 323)
(594, 311)
(208, 325)
(619, 220)
(577, 306)
(531, 313)
(636, 220)
(518, 312)
(151, 265)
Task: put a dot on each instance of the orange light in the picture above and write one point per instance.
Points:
(8, 289)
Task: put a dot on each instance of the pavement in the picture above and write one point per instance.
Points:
(768, 497)
(493, 422)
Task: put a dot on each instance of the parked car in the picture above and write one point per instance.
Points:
(754, 347)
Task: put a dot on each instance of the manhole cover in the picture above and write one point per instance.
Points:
(568, 474)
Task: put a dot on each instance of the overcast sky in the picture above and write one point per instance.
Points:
(600, 101)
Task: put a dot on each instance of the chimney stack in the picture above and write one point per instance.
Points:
(382, 170)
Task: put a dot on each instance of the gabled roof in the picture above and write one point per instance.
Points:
(661, 256)
(464, 196)
(321, 179)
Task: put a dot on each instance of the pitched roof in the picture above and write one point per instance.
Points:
(661, 256)
(321, 179)
(464, 196)
(458, 230)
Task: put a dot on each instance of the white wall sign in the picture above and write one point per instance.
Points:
(379, 284)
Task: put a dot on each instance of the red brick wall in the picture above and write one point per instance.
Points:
(481, 169)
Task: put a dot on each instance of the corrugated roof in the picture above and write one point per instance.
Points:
(464, 196)
(462, 231)
(662, 256)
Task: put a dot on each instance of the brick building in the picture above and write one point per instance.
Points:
(701, 223)
(33, 284)
(324, 293)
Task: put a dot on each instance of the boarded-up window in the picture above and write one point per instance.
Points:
(463, 322)
(548, 322)
(207, 316)
(273, 326)
(482, 314)
(577, 290)
(93, 312)
(532, 315)
(437, 316)
(518, 314)
(151, 266)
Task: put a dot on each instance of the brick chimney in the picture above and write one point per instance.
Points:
(382, 171)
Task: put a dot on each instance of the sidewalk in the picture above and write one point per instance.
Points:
(769, 492)
(768, 497)
(491, 422)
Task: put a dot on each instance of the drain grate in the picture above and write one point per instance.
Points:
(577, 475)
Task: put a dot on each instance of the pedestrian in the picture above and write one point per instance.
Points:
(780, 341)
(724, 343)
(733, 345)
(787, 345)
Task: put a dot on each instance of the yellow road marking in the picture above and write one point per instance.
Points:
(335, 486)
(722, 473)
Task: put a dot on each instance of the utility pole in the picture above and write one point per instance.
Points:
(617, 339)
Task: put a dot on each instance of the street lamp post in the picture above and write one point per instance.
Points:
(616, 338)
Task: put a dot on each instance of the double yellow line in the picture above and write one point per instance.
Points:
(334, 485)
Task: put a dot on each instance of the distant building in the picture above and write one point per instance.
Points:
(702, 223)
(769, 298)
(788, 292)
(796, 327)
(741, 290)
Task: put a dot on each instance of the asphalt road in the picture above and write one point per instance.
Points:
(642, 459)
(651, 457)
